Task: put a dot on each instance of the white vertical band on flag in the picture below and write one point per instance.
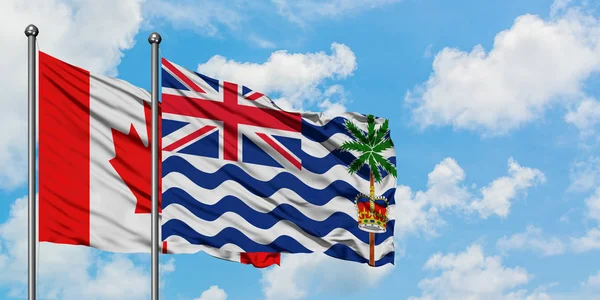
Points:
(115, 105)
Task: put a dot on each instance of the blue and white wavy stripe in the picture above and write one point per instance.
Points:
(250, 208)
(234, 221)
(266, 220)
(322, 133)
(231, 232)
(331, 167)
(319, 210)
(232, 172)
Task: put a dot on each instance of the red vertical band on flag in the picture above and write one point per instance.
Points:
(230, 129)
(64, 152)
(260, 259)
(164, 247)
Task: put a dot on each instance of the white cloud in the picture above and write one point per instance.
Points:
(428, 52)
(261, 42)
(204, 17)
(588, 291)
(471, 275)
(118, 278)
(498, 195)
(593, 282)
(532, 239)
(66, 272)
(167, 267)
(420, 211)
(211, 17)
(533, 65)
(559, 6)
(213, 293)
(593, 205)
(76, 31)
(590, 241)
(524, 295)
(332, 109)
(296, 77)
(301, 11)
(331, 102)
(334, 100)
(164, 269)
(301, 275)
(586, 117)
(415, 214)
(443, 185)
(585, 174)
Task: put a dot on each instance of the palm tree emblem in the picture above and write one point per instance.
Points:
(370, 146)
(372, 217)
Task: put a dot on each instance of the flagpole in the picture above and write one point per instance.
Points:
(31, 32)
(154, 39)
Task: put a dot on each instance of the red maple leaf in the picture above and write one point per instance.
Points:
(133, 162)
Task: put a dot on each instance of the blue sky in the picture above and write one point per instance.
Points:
(493, 109)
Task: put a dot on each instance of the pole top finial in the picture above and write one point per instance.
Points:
(31, 30)
(154, 38)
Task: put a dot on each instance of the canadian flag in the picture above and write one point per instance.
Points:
(94, 163)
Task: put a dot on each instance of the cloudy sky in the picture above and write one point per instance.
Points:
(494, 112)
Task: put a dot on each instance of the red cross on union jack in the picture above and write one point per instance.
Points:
(188, 94)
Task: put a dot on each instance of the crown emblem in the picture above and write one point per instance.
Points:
(372, 213)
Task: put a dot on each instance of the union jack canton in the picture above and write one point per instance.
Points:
(230, 115)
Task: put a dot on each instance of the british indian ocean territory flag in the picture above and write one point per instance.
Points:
(239, 174)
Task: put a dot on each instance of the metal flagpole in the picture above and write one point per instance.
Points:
(31, 32)
(154, 39)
